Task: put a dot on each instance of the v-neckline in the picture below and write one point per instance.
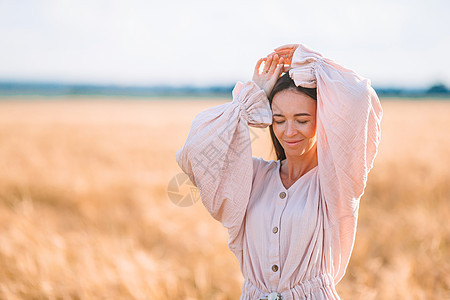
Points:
(295, 183)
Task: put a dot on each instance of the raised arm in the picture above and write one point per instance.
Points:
(348, 133)
(217, 154)
(348, 126)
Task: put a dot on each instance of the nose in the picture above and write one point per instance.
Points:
(290, 129)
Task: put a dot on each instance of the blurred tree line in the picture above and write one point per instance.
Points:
(439, 88)
(59, 89)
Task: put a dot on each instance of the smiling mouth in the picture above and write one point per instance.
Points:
(293, 143)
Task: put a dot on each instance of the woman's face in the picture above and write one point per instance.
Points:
(294, 121)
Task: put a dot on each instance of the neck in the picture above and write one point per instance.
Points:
(297, 166)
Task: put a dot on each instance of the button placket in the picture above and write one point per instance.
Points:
(274, 252)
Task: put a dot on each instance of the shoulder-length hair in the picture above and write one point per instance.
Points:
(285, 82)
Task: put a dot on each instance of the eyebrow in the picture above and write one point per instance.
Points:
(296, 115)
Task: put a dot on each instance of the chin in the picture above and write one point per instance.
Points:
(294, 152)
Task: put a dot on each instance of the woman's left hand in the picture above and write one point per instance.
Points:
(273, 66)
(286, 52)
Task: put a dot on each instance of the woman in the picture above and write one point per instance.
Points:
(291, 222)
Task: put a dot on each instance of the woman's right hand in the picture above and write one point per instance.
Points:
(273, 67)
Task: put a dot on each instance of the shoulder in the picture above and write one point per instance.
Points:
(264, 173)
(262, 167)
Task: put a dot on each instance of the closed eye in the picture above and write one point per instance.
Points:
(281, 122)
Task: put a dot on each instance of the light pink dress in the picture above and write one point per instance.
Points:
(297, 241)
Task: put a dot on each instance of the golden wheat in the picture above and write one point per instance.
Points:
(85, 214)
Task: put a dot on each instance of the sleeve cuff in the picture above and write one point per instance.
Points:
(253, 102)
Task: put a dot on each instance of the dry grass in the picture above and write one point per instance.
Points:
(84, 211)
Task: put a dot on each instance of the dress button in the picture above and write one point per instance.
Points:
(274, 268)
(275, 229)
(282, 195)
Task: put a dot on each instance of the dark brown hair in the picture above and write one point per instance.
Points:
(285, 82)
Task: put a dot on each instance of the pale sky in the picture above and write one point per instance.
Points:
(147, 42)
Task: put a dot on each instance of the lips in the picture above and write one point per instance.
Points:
(293, 143)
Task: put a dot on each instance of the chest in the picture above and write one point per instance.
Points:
(273, 207)
(286, 182)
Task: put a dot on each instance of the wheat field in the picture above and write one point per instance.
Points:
(85, 212)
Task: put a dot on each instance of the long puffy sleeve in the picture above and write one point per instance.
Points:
(217, 156)
(348, 133)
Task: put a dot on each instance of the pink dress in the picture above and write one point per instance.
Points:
(294, 242)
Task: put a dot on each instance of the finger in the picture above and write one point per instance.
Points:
(282, 62)
(283, 51)
(258, 65)
(267, 64)
(280, 66)
(286, 53)
(286, 67)
(274, 64)
(288, 59)
(278, 70)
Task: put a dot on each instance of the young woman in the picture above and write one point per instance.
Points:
(291, 222)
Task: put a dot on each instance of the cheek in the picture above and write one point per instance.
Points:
(310, 130)
(277, 129)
